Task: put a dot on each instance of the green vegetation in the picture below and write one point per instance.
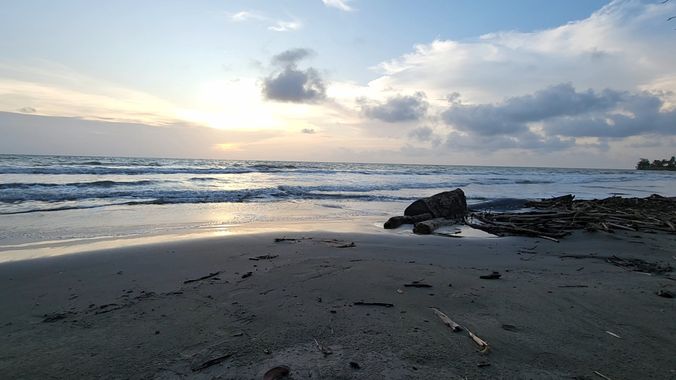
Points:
(645, 164)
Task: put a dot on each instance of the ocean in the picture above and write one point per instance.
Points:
(67, 198)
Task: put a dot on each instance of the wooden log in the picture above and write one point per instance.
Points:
(446, 320)
(428, 226)
(397, 221)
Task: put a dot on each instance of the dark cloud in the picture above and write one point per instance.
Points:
(291, 56)
(641, 115)
(397, 108)
(295, 86)
(422, 134)
(308, 131)
(291, 84)
(28, 110)
(527, 141)
(513, 114)
(563, 111)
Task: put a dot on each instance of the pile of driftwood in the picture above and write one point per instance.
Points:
(550, 218)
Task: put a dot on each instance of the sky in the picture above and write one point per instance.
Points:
(574, 83)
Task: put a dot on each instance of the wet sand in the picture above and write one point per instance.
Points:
(204, 309)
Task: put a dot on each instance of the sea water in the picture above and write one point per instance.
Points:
(58, 198)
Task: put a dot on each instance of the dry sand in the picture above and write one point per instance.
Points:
(127, 313)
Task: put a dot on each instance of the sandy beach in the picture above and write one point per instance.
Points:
(234, 307)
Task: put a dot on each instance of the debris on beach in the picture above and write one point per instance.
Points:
(482, 344)
(492, 276)
(247, 274)
(599, 374)
(291, 240)
(335, 243)
(417, 284)
(277, 373)
(211, 362)
(446, 320)
(210, 275)
(323, 349)
(53, 317)
(559, 216)
(384, 304)
(511, 328)
(355, 365)
(628, 263)
(549, 219)
(263, 257)
(665, 293)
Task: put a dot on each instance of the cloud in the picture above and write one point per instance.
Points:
(422, 133)
(246, 16)
(625, 45)
(285, 26)
(308, 131)
(291, 84)
(562, 111)
(27, 110)
(524, 141)
(292, 56)
(338, 4)
(275, 25)
(397, 108)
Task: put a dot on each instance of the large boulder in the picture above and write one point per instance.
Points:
(449, 204)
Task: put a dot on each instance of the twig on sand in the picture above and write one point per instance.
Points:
(263, 257)
(446, 320)
(384, 304)
(483, 345)
(416, 284)
(599, 374)
(210, 362)
(323, 349)
(210, 275)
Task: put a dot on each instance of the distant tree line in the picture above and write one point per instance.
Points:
(645, 164)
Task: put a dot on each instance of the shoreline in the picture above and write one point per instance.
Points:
(128, 312)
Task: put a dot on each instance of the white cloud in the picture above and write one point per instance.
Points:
(246, 16)
(338, 4)
(624, 46)
(275, 25)
(285, 26)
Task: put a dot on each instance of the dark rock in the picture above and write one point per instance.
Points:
(449, 204)
(277, 373)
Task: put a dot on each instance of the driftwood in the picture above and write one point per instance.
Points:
(416, 284)
(446, 320)
(217, 360)
(323, 349)
(550, 219)
(397, 221)
(429, 226)
(384, 304)
(483, 345)
(557, 217)
(210, 275)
